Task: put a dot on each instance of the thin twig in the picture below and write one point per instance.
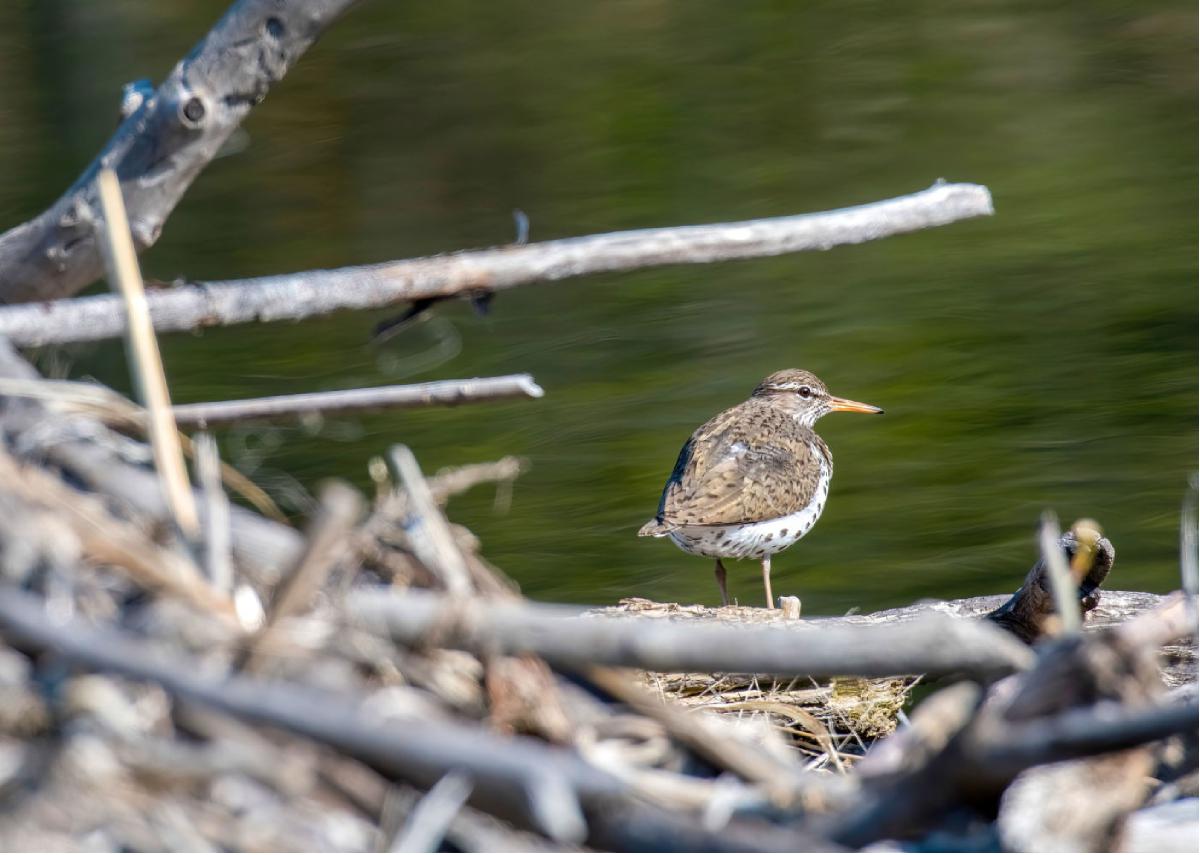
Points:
(445, 393)
(430, 819)
(318, 292)
(431, 536)
(450, 482)
(218, 539)
(120, 258)
(340, 507)
(1188, 559)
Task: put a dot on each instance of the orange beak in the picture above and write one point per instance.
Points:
(844, 405)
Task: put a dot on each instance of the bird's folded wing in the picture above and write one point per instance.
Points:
(726, 479)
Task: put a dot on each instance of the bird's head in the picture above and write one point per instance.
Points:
(803, 394)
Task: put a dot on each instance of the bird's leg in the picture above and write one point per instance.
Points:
(766, 562)
(720, 573)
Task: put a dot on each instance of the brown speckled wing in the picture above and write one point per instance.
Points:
(747, 464)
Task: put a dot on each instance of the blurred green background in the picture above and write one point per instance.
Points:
(1043, 358)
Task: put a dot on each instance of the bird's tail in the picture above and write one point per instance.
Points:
(654, 528)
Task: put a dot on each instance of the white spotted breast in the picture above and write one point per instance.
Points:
(758, 539)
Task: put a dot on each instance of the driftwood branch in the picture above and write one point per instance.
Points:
(446, 393)
(933, 644)
(164, 144)
(302, 295)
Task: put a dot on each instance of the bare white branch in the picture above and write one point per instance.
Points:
(301, 295)
(437, 393)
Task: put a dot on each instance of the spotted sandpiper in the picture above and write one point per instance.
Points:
(753, 480)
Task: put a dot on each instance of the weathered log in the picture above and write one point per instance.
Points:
(932, 644)
(145, 361)
(301, 295)
(969, 757)
(164, 144)
(1099, 729)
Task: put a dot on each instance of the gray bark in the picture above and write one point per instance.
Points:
(301, 295)
(440, 392)
(163, 144)
(932, 643)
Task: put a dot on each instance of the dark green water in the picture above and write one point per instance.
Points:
(1045, 357)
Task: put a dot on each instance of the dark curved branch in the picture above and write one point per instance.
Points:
(163, 144)
(1025, 613)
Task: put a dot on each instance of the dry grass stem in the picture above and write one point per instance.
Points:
(1062, 584)
(120, 258)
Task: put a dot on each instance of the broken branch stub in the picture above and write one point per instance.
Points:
(1025, 614)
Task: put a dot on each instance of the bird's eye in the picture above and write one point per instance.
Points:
(804, 392)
